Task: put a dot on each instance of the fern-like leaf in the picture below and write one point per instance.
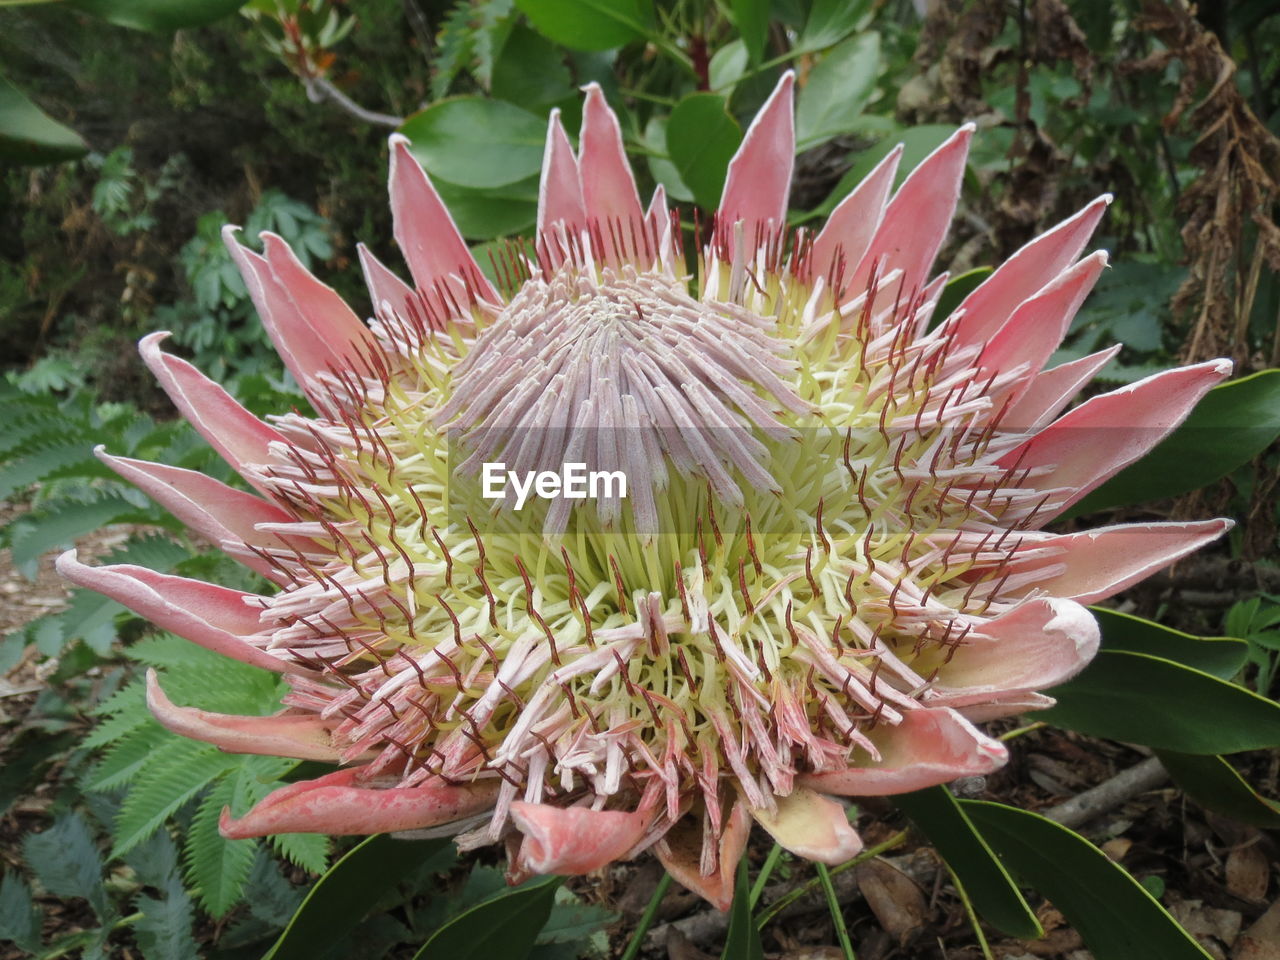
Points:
(127, 757)
(310, 851)
(217, 868)
(175, 772)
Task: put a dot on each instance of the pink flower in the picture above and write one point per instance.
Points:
(828, 567)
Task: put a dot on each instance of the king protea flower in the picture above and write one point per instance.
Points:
(828, 567)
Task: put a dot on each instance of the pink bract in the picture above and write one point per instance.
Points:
(829, 565)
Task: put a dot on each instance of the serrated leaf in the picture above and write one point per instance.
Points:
(20, 473)
(573, 921)
(164, 931)
(310, 851)
(1116, 917)
(124, 759)
(176, 772)
(994, 894)
(341, 898)
(217, 868)
(20, 918)
(62, 524)
(66, 862)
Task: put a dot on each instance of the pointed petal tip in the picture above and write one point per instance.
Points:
(398, 139)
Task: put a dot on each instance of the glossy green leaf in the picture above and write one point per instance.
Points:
(830, 21)
(660, 165)
(743, 939)
(504, 926)
(498, 212)
(837, 91)
(994, 894)
(1149, 700)
(752, 19)
(589, 24)
(530, 71)
(727, 66)
(30, 136)
(701, 140)
(476, 142)
(351, 888)
(159, 16)
(1213, 783)
(917, 143)
(956, 290)
(1232, 424)
(1117, 918)
(1223, 657)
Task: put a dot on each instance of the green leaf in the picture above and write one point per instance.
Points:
(217, 868)
(1149, 700)
(530, 71)
(30, 136)
(125, 758)
(20, 918)
(63, 524)
(752, 20)
(475, 142)
(742, 942)
(1229, 427)
(347, 892)
(572, 921)
(310, 851)
(955, 291)
(830, 21)
(66, 862)
(1116, 916)
(589, 24)
(1223, 657)
(994, 894)
(917, 143)
(701, 140)
(838, 90)
(172, 775)
(159, 16)
(1213, 783)
(504, 926)
(727, 66)
(164, 932)
(485, 214)
(660, 165)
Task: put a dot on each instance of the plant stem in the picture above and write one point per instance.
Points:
(646, 918)
(837, 917)
(770, 862)
(1029, 728)
(971, 914)
(782, 903)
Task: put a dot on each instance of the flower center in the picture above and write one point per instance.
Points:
(623, 373)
